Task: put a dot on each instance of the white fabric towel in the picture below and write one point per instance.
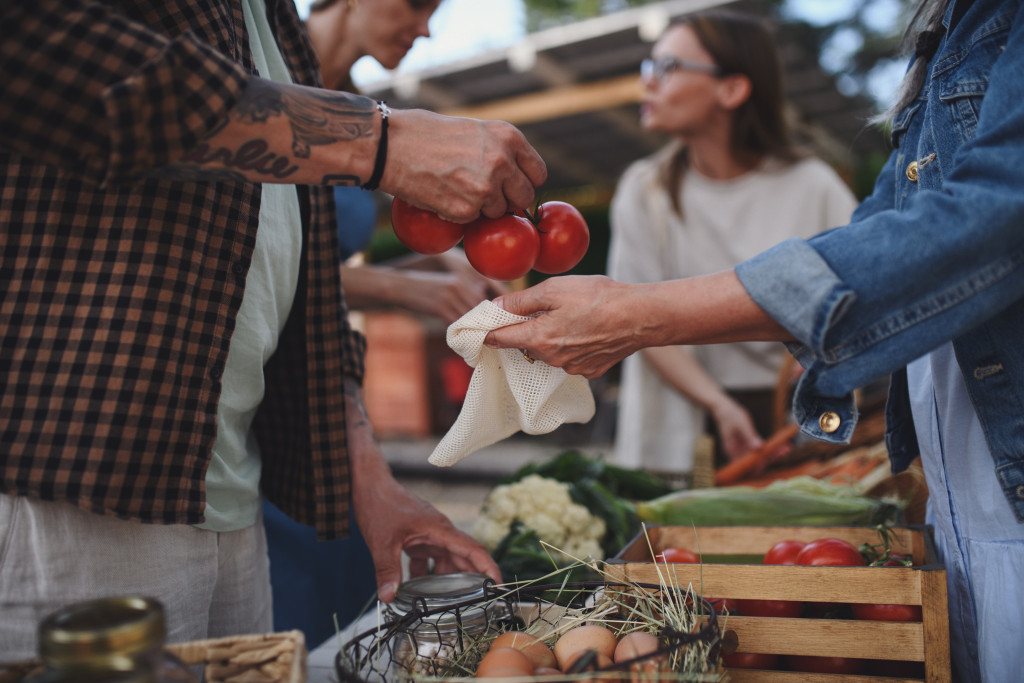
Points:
(507, 393)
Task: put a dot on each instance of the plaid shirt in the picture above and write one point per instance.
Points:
(119, 293)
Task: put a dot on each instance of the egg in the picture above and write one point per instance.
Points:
(639, 644)
(499, 661)
(582, 638)
(504, 672)
(635, 644)
(536, 650)
(600, 661)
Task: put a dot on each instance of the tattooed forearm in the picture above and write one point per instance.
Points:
(316, 117)
(272, 128)
(321, 117)
(251, 156)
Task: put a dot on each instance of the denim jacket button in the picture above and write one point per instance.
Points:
(912, 171)
(829, 422)
(1020, 492)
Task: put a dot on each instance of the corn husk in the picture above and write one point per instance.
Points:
(797, 501)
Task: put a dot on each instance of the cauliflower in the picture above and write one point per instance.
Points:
(544, 505)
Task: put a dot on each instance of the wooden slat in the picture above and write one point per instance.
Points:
(757, 676)
(758, 539)
(781, 582)
(829, 637)
(557, 102)
(936, 626)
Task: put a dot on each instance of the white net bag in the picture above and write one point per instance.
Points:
(507, 392)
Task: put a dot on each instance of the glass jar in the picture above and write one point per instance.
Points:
(120, 640)
(430, 642)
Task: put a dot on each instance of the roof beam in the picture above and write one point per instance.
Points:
(557, 102)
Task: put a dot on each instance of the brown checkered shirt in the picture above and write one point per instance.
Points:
(119, 293)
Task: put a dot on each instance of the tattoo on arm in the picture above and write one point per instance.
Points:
(314, 117)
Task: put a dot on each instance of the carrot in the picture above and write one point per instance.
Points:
(774, 475)
(756, 458)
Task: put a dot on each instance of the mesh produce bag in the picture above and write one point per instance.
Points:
(507, 393)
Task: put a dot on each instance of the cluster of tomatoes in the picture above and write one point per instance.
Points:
(551, 240)
(824, 552)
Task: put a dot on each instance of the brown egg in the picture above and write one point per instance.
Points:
(638, 644)
(582, 638)
(601, 661)
(504, 672)
(635, 644)
(530, 645)
(504, 659)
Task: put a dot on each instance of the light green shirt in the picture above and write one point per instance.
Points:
(232, 480)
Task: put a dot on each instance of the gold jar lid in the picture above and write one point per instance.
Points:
(108, 633)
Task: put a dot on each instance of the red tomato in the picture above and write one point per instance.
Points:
(784, 552)
(826, 665)
(750, 660)
(423, 231)
(770, 608)
(564, 237)
(830, 552)
(677, 555)
(886, 612)
(501, 248)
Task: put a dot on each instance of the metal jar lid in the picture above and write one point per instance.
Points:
(439, 590)
(109, 632)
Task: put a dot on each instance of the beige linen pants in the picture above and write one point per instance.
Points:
(52, 554)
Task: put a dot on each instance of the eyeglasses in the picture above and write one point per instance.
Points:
(661, 67)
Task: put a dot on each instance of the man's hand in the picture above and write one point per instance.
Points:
(460, 168)
(282, 133)
(393, 520)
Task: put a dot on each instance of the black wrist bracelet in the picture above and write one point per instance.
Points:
(382, 148)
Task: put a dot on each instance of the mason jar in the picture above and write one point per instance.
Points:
(120, 640)
(430, 643)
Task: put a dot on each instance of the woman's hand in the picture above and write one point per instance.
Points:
(583, 324)
(735, 429)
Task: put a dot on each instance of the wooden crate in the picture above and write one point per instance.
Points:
(923, 584)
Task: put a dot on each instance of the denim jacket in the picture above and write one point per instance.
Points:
(936, 253)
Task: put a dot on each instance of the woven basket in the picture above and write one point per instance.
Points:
(263, 658)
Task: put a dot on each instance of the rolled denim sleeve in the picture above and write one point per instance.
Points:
(797, 288)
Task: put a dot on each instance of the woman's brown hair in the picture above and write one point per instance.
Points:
(742, 44)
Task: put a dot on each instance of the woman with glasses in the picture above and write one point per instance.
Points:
(731, 184)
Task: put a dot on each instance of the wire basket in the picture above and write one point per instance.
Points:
(447, 643)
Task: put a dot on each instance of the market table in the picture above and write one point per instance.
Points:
(320, 665)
